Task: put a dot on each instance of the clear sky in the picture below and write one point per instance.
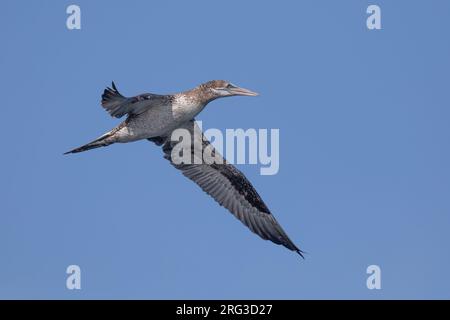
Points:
(364, 149)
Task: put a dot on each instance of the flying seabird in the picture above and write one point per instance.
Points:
(154, 117)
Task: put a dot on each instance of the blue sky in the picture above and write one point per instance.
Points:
(364, 160)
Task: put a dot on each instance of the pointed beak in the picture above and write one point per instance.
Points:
(242, 92)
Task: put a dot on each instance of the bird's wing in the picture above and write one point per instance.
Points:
(117, 105)
(227, 185)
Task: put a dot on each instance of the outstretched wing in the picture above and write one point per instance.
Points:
(227, 185)
(117, 105)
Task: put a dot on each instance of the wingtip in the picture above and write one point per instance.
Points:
(300, 252)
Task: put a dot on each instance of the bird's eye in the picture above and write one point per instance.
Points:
(230, 86)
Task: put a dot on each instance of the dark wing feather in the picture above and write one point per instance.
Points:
(230, 188)
(117, 105)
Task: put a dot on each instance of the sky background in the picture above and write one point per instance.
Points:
(364, 149)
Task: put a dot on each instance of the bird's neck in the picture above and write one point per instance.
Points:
(197, 96)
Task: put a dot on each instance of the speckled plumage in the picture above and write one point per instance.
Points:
(155, 117)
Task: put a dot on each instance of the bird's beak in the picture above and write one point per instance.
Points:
(242, 92)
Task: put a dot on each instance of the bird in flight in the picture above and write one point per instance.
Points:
(155, 117)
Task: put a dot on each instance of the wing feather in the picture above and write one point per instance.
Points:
(117, 105)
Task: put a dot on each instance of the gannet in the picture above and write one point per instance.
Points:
(154, 117)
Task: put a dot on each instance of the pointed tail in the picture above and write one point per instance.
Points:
(103, 141)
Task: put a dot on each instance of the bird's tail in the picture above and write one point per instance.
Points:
(102, 141)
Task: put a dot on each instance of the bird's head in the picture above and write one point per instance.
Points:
(220, 88)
